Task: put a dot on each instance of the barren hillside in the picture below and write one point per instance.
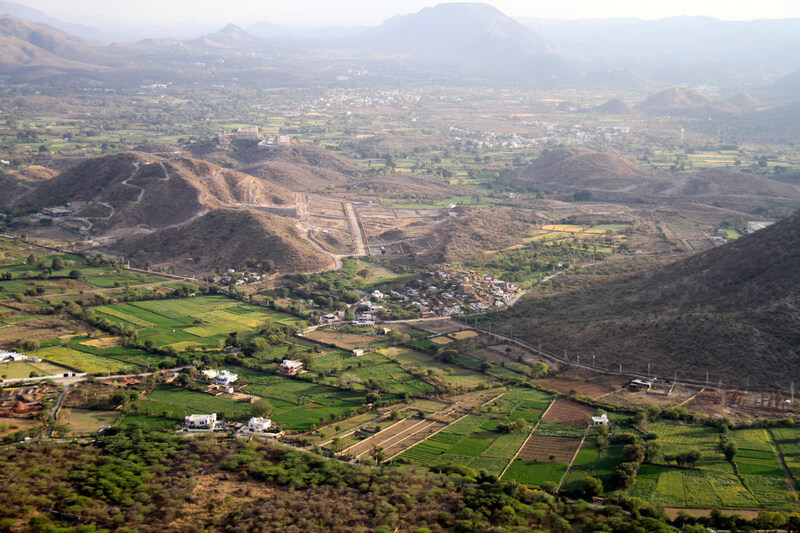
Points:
(732, 311)
(226, 238)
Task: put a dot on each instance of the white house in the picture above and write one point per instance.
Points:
(291, 368)
(10, 357)
(601, 420)
(210, 374)
(200, 422)
(259, 425)
(225, 377)
(358, 352)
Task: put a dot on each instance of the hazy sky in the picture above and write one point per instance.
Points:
(318, 13)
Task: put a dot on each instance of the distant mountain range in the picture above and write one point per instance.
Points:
(477, 39)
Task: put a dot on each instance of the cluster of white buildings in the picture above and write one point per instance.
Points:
(204, 422)
(12, 357)
(226, 137)
(220, 377)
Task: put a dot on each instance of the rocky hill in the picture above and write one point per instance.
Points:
(226, 238)
(680, 101)
(732, 311)
(615, 106)
(581, 168)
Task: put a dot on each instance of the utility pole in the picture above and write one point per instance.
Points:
(592, 360)
(648, 369)
(706, 378)
(620, 368)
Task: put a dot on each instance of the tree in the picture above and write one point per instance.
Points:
(58, 263)
(75, 274)
(592, 486)
(262, 408)
(633, 453)
(651, 449)
(730, 450)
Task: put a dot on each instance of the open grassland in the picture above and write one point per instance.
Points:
(452, 375)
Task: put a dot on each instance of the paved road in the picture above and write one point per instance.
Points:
(355, 229)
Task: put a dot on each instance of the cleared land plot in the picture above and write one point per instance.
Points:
(348, 341)
(83, 421)
(584, 388)
(568, 412)
(146, 422)
(549, 449)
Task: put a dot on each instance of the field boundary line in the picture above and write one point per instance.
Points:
(431, 435)
(409, 435)
(378, 433)
(574, 456)
(790, 481)
(526, 440)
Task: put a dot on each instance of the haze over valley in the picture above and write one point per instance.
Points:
(464, 268)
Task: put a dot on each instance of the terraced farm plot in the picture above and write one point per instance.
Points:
(465, 334)
(549, 449)
(680, 438)
(470, 446)
(533, 473)
(569, 413)
(450, 374)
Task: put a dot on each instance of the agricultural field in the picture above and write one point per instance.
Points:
(24, 369)
(534, 473)
(475, 440)
(452, 375)
(549, 449)
(199, 321)
(761, 481)
(686, 487)
(787, 440)
(595, 462)
(175, 403)
(568, 412)
(84, 362)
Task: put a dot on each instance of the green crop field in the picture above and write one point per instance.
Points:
(787, 441)
(202, 320)
(679, 438)
(533, 473)
(447, 459)
(84, 362)
(470, 446)
(505, 446)
(559, 430)
(490, 464)
(594, 462)
(146, 422)
(174, 402)
(700, 488)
